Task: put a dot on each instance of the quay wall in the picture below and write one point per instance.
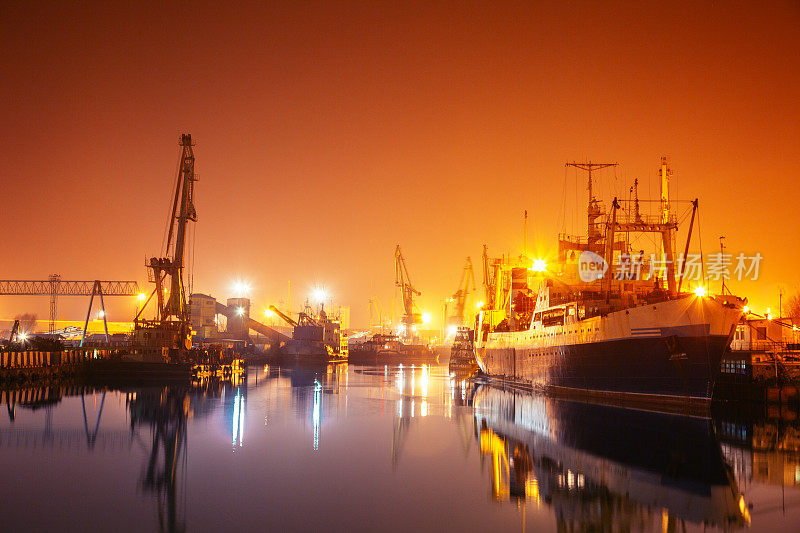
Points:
(30, 365)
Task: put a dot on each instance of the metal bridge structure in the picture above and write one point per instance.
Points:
(54, 287)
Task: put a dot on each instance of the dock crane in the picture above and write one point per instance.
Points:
(171, 327)
(15, 333)
(411, 315)
(491, 273)
(465, 288)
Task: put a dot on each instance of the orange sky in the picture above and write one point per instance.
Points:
(327, 133)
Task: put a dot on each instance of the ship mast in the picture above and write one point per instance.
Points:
(594, 232)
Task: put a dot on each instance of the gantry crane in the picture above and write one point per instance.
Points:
(465, 288)
(411, 315)
(54, 287)
(171, 327)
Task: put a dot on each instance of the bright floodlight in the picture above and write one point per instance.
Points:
(746, 309)
(319, 295)
(700, 291)
(101, 314)
(452, 330)
(22, 336)
(241, 288)
(426, 318)
(269, 312)
(479, 305)
(539, 265)
(142, 296)
(240, 311)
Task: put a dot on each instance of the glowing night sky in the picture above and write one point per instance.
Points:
(329, 132)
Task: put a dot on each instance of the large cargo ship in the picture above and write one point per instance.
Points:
(636, 332)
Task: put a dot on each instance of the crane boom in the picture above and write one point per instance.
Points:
(287, 319)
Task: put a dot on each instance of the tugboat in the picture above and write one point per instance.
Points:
(315, 338)
(578, 327)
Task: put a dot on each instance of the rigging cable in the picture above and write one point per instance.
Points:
(171, 215)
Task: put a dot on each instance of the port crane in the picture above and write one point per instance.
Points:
(171, 327)
(491, 273)
(411, 315)
(286, 318)
(465, 288)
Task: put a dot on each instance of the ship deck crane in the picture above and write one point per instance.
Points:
(411, 315)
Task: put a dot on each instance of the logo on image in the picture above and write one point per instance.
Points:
(591, 266)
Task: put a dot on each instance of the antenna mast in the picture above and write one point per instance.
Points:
(594, 232)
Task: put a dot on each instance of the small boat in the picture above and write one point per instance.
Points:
(386, 349)
(462, 352)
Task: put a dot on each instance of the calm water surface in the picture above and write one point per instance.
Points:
(390, 449)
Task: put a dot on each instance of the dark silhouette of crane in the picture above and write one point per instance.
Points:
(171, 327)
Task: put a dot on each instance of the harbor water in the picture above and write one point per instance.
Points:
(351, 448)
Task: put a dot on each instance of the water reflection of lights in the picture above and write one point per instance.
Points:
(423, 382)
(315, 413)
(238, 418)
(423, 408)
(401, 380)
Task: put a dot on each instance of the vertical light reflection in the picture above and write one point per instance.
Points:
(238, 419)
(315, 413)
(241, 420)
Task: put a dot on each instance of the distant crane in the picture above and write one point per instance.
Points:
(491, 273)
(171, 327)
(375, 311)
(465, 288)
(14, 332)
(411, 315)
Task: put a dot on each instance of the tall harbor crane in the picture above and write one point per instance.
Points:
(411, 315)
(465, 288)
(171, 327)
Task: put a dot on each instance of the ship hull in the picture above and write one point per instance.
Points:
(672, 349)
(638, 366)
